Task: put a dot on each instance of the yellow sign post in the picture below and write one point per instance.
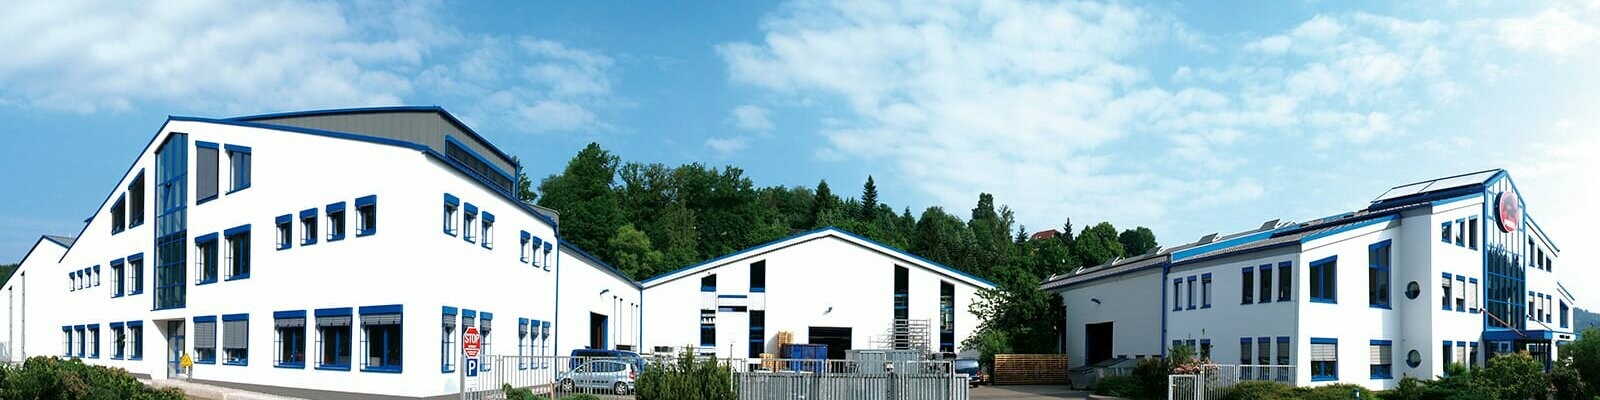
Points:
(185, 362)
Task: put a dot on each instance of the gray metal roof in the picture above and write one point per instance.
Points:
(1434, 185)
(422, 125)
(64, 241)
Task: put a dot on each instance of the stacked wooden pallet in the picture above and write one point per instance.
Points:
(785, 337)
(1030, 369)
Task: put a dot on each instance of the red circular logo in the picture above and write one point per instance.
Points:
(1509, 210)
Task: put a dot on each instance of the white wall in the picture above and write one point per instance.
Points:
(1132, 303)
(1228, 320)
(587, 287)
(1353, 321)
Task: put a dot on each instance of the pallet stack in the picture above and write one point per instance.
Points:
(1030, 369)
(785, 337)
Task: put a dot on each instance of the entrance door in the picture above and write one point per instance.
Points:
(837, 339)
(1097, 341)
(175, 346)
(597, 331)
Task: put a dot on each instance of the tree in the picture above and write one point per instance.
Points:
(1514, 376)
(869, 200)
(823, 203)
(1097, 244)
(1584, 356)
(584, 197)
(6, 271)
(631, 252)
(525, 191)
(1137, 241)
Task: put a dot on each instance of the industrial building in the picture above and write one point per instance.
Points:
(347, 260)
(1450, 270)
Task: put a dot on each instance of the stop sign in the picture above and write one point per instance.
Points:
(471, 342)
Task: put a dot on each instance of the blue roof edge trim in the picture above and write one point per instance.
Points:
(608, 267)
(1180, 255)
(812, 232)
(368, 110)
(913, 256)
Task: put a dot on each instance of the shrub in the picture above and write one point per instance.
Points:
(53, 378)
(1263, 390)
(1568, 383)
(1513, 376)
(1151, 374)
(1118, 386)
(1339, 391)
(581, 396)
(686, 377)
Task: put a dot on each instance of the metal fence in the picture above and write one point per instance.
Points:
(1214, 380)
(753, 379)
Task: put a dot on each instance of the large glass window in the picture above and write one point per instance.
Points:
(171, 244)
(290, 340)
(758, 276)
(947, 321)
(758, 335)
(205, 339)
(381, 338)
(236, 339)
(333, 338)
(902, 293)
(1324, 359)
(1325, 280)
(1378, 258)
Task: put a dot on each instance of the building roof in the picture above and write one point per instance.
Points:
(603, 265)
(1044, 234)
(1420, 191)
(819, 233)
(64, 241)
(427, 125)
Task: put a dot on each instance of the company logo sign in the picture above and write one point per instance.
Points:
(1509, 211)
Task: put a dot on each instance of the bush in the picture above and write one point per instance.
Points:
(1513, 376)
(686, 377)
(53, 378)
(1151, 374)
(1118, 386)
(1568, 383)
(1263, 390)
(1338, 391)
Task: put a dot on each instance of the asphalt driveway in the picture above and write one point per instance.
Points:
(1027, 392)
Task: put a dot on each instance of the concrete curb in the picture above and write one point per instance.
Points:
(214, 392)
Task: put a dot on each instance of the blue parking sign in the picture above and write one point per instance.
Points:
(472, 367)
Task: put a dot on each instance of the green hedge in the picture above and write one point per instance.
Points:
(686, 377)
(1263, 390)
(1118, 386)
(53, 378)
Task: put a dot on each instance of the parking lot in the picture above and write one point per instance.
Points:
(1027, 392)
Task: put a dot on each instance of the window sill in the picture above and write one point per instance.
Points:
(368, 232)
(758, 290)
(304, 244)
(203, 201)
(1190, 308)
(232, 191)
(1325, 301)
(237, 363)
(1382, 377)
(447, 370)
(1324, 378)
(333, 367)
(135, 225)
(115, 296)
(206, 282)
(135, 358)
(386, 370)
(1378, 306)
(285, 246)
(335, 238)
(206, 362)
(238, 277)
(115, 358)
(450, 232)
(290, 366)
(1205, 306)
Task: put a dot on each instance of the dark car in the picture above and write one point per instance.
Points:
(581, 355)
(974, 371)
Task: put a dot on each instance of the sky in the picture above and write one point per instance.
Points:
(1185, 118)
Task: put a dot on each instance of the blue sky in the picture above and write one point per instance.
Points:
(1187, 118)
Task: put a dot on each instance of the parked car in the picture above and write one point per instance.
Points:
(581, 355)
(974, 371)
(616, 375)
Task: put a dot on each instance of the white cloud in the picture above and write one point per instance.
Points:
(725, 146)
(207, 57)
(1274, 45)
(751, 118)
(1553, 30)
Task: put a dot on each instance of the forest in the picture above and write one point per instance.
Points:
(649, 219)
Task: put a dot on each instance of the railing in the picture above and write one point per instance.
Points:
(1214, 380)
(607, 378)
(753, 379)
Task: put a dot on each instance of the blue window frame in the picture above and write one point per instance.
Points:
(485, 327)
(381, 338)
(284, 224)
(1205, 290)
(534, 251)
(488, 231)
(236, 339)
(1189, 291)
(547, 247)
(1382, 363)
(172, 228)
(290, 341)
(238, 252)
(366, 215)
(1446, 291)
(1444, 232)
(239, 171)
(66, 341)
(1461, 232)
(451, 204)
(524, 344)
(469, 220)
(1247, 284)
(1474, 297)
(1245, 348)
(206, 258)
(1177, 291)
(308, 227)
(527, 252)
(333, 338)
(1285, 281)
(1564, 310)
(1325, 280)
(136, 201)
(447, 341)
(118, 274)
(1324, 359)
(1461, 299)
(119, 341)
(205, 339)
(94, 340)
(1265, 281)
(1378, 275)
(136, 335)
(206, 164)
(119, 215)
(336, 221)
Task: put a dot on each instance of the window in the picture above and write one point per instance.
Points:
(1378, 259)
(1283, 357)
(447, 342)
(119, 341)
(117, 283)
(285, 231)
(333, 338)
(534, 251)
(83, 340)
(136, 274)
(758, 335)
(1564, 310)
(485, 320)
(136, 333)
(1382, 361)
(1245, 345)
(469, 221)
(758, 277)
(205, 339)
(335, 213)
(708, 328)
(1205, 291)
(947, 321)
(451, 203)
(1444, 351)
(547, 247)
(1461, 232)
(479, 166)
(94, 341)
(66, 341)
(1325, 280)
(1473, 357)
(1324, 359)
(119, 215)
(290, 340)
(1177, 290)
(1472, 233)
(238, 239)
(488, 230)
(1205, 350)
(1444, 292)
(205, 259)
(171, 280)
(236, 339)
(1444, 232)
(205, 164)
(366, 215)
(1461, 293)
(1248, 285)
(527, 252)
(1266, 283)
(524, 343)
(544, 343)
(1264, 354)
(96, 272)
(708, 283)
(136, 201)
(239, 161)
(308, 227)
(1285, 281)
(1189, 291)
(1472, 296)
(380, 327)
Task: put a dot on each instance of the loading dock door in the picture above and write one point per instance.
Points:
(837, 339)
(1098, 342)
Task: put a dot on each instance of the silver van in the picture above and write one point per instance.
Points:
(600, 374)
